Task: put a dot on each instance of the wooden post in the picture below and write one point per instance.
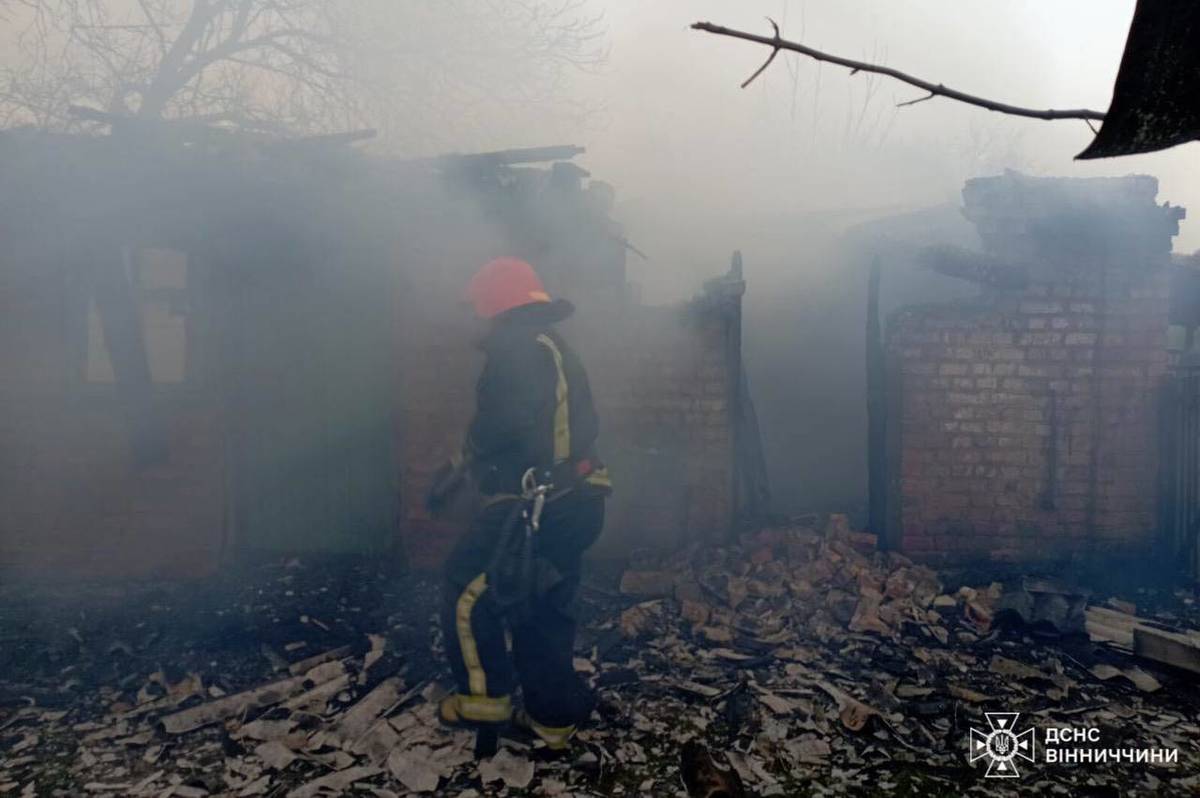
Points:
(733, 386)
(876, 414)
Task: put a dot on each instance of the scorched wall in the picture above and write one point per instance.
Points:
(1024, 424)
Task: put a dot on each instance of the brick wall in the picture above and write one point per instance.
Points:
(1025, 423)
(437, 366)
(660, 381)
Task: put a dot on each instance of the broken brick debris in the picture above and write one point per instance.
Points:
(800, 660)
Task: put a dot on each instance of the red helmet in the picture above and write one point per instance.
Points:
(503, 284)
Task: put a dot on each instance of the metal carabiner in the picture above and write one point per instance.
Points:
(539, 501)
(533, 492)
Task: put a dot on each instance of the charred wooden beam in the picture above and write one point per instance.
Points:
(876, 413)
(326, 139)
(557, 152)
(974, 266)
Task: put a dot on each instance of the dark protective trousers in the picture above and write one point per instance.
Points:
(543, 639)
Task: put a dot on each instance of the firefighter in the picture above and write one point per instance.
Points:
(534, 430)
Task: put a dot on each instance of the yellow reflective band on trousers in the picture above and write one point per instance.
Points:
(555, 737)
(476, 678)
(479, 709)
(562, 421)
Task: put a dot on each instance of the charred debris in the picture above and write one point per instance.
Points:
(799, 660)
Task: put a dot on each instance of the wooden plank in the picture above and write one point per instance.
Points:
(1100, 632)
(215, 711)
(305, 665)
(1120, 620)
(317, 697)
(1180, 651)
(359, 719)
(1123, 620)
(558, 152)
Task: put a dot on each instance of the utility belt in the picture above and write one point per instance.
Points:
(571, 474)
(561, 479)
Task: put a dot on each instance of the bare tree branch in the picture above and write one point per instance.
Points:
(770, 58)
(153, 21)
(907, 103)
(166, 80)
(421, 71)
(776, 43)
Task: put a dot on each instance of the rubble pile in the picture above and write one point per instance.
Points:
(326, 726)
(292, 679)
(822, 666)
(269, 682)
(797, 662)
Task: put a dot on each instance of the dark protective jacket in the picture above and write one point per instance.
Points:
(533, 406)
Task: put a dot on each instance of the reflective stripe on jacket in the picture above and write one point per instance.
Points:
(533, 405)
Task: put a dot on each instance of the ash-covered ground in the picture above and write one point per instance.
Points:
(793, 663)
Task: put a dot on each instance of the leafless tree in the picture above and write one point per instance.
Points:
(285, 65)
(249, 62)
(990, 146)
(447, 74)
(868, 122)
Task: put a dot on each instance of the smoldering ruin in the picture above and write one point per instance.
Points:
(904, 501)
